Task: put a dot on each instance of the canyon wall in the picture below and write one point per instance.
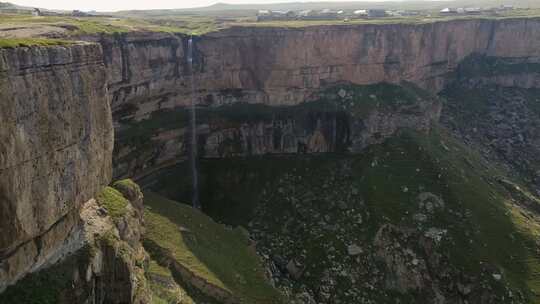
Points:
(57, 141)
(282, 67)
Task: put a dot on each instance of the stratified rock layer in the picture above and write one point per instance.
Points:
(279, 66)
(288, 66)
(57, 140)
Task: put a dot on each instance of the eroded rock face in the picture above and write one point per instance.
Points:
(343, 118)
(278, 66)
(57, 141)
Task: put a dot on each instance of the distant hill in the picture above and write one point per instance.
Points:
(225, 9)
(355, 4)
(7, 7)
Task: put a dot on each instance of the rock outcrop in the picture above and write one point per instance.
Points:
(106, 264)
(344, 118)
(55, 155)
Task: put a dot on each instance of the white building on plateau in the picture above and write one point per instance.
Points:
(473, 10)
(448, 11)
(361, 12)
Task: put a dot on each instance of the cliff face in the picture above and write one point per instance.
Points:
(344, 118)
(286, 67)
(289, 64)
(57, 140)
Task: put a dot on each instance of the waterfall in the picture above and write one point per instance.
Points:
(193, 130)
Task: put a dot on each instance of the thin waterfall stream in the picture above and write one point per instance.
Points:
(193, 130)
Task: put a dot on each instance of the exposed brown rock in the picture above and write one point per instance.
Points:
(56, 148)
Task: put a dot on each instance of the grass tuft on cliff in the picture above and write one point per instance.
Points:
(113, 201)
(127, 184)
(129, 189)
(221, 256)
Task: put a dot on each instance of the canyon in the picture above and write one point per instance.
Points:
(76, 117)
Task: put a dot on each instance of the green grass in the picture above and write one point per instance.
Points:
(113, 201)
(93, 25)
(220, 256)
(156, 269)
(25, 42)
(391, 20)
(415, 162)
(192, 25)
(468, 180)
(163, 287)
(77, 26)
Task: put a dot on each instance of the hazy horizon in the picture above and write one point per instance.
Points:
(108, 5)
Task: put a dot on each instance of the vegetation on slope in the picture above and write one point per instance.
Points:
(164, 288)
(296, 204)
(126, 185)
(219, 255)
(203, 22)
(25, 42)
(389, 20)
(113, 201)
(75, 26)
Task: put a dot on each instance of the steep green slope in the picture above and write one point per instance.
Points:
(198, 249)
(164, 288)
(502, 122)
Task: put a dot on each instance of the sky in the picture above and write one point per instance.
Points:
(113, 5)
